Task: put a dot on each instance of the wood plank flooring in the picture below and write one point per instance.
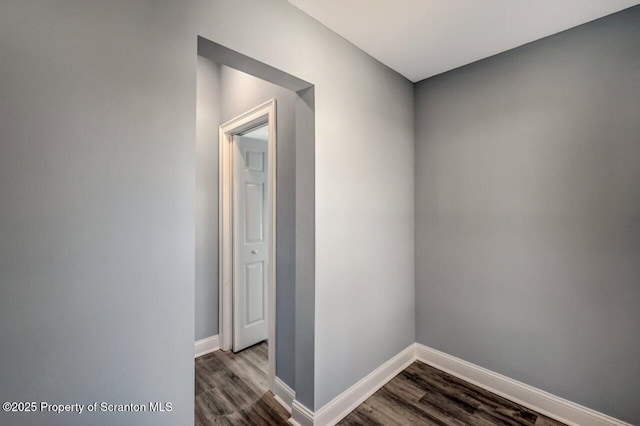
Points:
(423, 395)
(231, 389)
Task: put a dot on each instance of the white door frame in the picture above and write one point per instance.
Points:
(264, 113)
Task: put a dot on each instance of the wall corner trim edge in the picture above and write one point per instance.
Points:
(206, 345)
(284, 394)
(301, 415)
(536, 399)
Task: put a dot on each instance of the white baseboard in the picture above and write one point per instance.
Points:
(336, 409)
(538, 400)
(284, 394)
(207, 345)
(301, 415)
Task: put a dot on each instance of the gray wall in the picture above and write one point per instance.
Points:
(224, 94)
(528, 214)
(97, 196)
(207, 125)
(97, 113)
(305, 248)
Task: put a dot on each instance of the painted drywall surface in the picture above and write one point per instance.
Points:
(98, 199)
(207, 125)
(97, 213)
(528, 214)
(305, 247)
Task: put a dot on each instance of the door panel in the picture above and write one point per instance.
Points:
(255, 161)
(254, 195)
(251, 242)
(255, 297)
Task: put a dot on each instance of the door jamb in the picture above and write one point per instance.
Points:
(265, 112)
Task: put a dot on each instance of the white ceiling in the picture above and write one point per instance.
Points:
(422, 38)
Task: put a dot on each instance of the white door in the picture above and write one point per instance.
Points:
(250, 242)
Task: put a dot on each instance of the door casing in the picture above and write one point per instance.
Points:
(264, 113)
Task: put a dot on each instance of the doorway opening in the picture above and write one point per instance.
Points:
(231, 386)
(247, 220)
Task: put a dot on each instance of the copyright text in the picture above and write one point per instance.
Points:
(96, 407)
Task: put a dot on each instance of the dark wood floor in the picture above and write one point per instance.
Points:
(423, 395)
(231, 389)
